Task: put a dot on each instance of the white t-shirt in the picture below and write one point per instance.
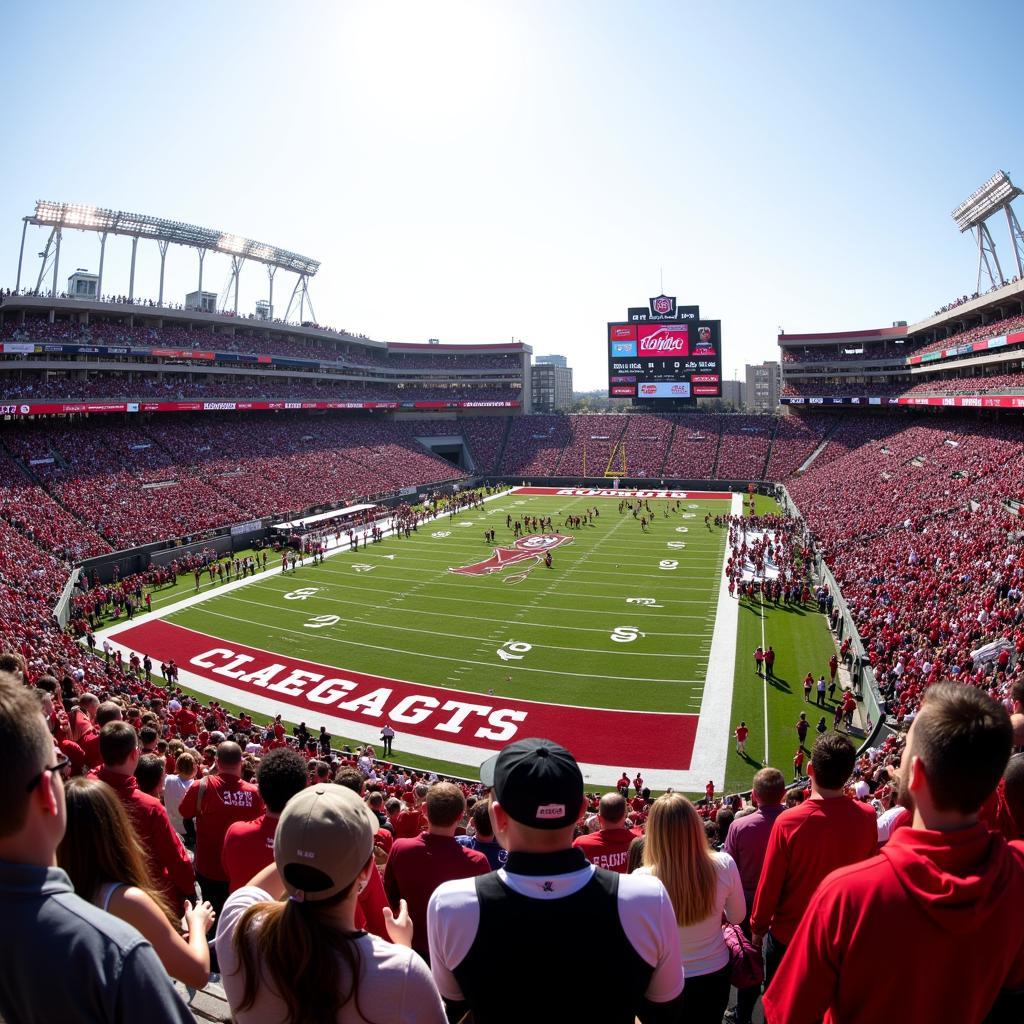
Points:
(703, 949)
(175, 789)
(395, 985)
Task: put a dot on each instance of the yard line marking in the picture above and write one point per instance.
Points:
(765, 682)
(441, 657)
(463, 636)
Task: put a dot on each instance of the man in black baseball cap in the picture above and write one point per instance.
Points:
(503, 944)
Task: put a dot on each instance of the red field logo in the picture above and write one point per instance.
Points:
(525, 549)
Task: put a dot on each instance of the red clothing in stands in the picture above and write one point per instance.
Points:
(226, 799)
(409, 824)
(806, 843)
(370, 907)
(949, 899)
(166, 855)
(608, 848)
(248, 848)
(416, 867)
(91, 749)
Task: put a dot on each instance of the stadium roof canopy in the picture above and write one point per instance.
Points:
(84, 217)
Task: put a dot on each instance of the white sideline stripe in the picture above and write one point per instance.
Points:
(711, 744)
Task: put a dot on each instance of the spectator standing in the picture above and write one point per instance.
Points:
(703, 886)
(217, 802)
(175, 788)
(747, 843)
(769, 662)
(741, 738)
(416, 867)
(821, 691)
(609, 846)
(387, 736)
(826, 832)
(508, 945)
(410, 822)
(946, 881)
(249, 845)
(802, 726)
(108, 972)
(304, 957)
(483, 836)
(166, 857)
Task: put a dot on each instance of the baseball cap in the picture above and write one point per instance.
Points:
(324, 838)
(538, 783)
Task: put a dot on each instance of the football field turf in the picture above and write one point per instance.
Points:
(607, 650)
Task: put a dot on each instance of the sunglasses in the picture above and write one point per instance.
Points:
(62, 763)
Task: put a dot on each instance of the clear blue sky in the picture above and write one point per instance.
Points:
(480, 171)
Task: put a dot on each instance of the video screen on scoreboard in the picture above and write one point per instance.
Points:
(650, 361)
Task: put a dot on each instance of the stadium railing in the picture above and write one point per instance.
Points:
(62, 610)
(861, 672)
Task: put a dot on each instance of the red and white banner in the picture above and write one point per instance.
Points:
(16, 408)
(607, 492)
(658, 740)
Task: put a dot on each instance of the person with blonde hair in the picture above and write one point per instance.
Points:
(702, 885)
(104, 859)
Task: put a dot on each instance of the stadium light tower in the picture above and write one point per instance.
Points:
(971, 215)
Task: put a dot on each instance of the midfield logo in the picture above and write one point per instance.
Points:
(525, 549)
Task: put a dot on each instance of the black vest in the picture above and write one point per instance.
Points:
(535, 960)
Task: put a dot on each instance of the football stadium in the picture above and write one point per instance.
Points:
(368, 668)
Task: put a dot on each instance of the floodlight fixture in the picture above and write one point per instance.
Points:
(998, 193)
(981, 204)
(85, 217)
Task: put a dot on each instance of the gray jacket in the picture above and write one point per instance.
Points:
(65, 960)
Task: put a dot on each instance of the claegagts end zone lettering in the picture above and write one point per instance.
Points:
(665, 356)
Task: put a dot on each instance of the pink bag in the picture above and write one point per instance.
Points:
(744, 960)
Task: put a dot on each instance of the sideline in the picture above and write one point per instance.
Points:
(263, 574)
(711, 745)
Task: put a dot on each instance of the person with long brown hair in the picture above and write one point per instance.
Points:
(702, 885)
(301, 960)
(104, 859)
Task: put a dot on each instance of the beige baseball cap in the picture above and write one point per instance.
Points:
(324, 839)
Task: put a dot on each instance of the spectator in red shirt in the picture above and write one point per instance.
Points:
(741, 738)
(948, 884)
(249, 845)
(418, 866)
(411, 822)
(826, 832)
(107, 712)
(609, 847)
(166, 857)
(217, 802)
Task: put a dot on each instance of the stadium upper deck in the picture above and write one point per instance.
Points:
(968, 354)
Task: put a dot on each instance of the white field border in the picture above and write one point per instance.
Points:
(710, 748)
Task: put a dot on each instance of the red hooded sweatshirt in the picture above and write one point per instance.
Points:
(943, 907)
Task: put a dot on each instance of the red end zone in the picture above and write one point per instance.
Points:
(611, 492)
(595, 736)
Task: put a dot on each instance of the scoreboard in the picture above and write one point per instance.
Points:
(665, 355)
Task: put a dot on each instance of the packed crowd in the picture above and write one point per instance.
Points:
(839, 354)
(257, 343)
(973, 334)
(338, 886)
(177, 386)
(928, 557)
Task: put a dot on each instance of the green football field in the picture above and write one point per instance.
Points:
(624, 620)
